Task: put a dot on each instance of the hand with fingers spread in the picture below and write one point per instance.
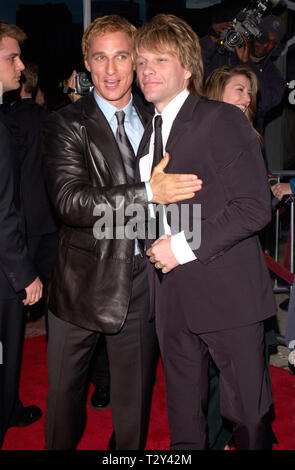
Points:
(168, 188)
(34, 292)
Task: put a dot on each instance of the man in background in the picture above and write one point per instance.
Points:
(258, 54)
(40, 222)
(19, 282)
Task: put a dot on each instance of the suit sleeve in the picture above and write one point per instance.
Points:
(14, 259)
(242, 175)
(70, 183)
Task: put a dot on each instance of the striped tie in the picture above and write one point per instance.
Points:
(125, 147)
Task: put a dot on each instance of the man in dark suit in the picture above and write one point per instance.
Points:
(19, 283)
(99, 283)
(213, 290)
(41, 226)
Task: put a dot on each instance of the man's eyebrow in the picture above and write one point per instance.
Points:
(116, 52)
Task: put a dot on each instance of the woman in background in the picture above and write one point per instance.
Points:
(237, 85)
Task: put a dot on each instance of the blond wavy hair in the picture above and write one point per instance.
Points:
(103, 25)
(170, 33)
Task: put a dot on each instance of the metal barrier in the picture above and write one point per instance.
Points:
(288, 200)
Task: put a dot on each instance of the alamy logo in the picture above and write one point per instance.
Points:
(291, 96)
(135, 221)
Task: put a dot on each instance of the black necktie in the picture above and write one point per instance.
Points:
(158, 155)
(158, 143)
(125, 147)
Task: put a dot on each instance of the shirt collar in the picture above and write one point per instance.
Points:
(170, 112)
(109, 109)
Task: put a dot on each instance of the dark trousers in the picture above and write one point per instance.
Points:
(100, 370)
(132, 356)
(42, 250)
(245, 389)
(11, 338)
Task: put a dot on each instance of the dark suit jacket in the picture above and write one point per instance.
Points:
(29, 116)
(92, 280)
(229, 285)
(16, 268)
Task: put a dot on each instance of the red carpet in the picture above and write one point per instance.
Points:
(33, 389)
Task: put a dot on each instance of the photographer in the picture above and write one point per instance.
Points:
(258, 56)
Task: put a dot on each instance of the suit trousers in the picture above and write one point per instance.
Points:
(245, 388)
(133, 355)
(11, 341)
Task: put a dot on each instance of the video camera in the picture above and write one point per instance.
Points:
(83, 83)
(246, 22)
(82, 86)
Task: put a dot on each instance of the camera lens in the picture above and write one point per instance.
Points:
(234, 38)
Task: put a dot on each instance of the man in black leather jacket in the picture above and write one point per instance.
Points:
(100, 283)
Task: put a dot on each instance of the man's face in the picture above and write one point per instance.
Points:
(161, 76)
(10, 64)
(260, 50)
(110, 63)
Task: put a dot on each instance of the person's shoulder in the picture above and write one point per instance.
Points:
(28, 113)
(211, 108)
(73, 111)
(227, 111)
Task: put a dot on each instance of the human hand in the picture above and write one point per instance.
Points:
(281, 189)
(168, 187)
(161, 254)
(243, 52)
(72, 84)
(33, 292)
(219, 28)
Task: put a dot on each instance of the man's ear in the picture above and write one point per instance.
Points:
(188, 74)
(87, 65)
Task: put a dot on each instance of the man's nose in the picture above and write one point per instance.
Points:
(20, 65)
(148, 68)
(111, 66)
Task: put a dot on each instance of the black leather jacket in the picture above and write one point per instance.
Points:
(92, 280)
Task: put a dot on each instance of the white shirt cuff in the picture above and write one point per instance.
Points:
(181, 249)
(149, 191)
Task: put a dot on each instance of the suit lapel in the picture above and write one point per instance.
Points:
(102, 141)
(143, 149)
(181, 121)
(101, 138)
